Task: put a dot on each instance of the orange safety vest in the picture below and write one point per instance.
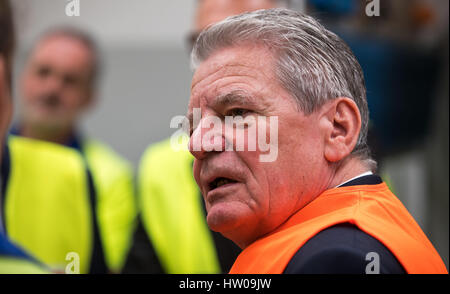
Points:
(372, 208)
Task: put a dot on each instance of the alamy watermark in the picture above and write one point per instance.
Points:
(373, 8)
(73, 8)
(373, 267)
(230, 133)
(73, 265)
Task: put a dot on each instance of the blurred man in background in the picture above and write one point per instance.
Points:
(58, 86)
(13, 260)
(173, 236)
(6, 47)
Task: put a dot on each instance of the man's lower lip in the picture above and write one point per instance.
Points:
(220, 190)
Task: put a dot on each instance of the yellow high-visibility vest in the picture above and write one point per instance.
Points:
(48, 209)
(46, 206)
(14, 265)
(116, 202)
(172, 213)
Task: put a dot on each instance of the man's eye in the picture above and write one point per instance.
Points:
(237, 112)
(43, 72)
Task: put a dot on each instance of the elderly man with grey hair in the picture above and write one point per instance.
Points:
(317, 207)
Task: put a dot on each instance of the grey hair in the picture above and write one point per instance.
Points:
(313, 64)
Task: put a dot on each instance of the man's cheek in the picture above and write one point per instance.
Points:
(196, 172)
(32, 87)
(267, 138)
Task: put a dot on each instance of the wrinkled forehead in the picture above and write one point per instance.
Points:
(250, 66)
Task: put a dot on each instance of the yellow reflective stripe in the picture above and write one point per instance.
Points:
(47, 209)
(172, 213)
(116, 207)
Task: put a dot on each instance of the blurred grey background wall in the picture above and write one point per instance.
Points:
(146, 82)
(146, 74)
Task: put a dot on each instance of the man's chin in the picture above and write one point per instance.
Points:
(225, 218)
(48, 122)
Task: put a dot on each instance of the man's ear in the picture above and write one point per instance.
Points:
(341, 122)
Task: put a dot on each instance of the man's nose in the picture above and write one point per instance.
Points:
(207, 138)
(53, 83)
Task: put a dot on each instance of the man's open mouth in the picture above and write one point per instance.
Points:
(219, 182)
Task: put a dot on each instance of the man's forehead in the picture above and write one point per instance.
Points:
(247, 61)
(234, 76)
(61, 47)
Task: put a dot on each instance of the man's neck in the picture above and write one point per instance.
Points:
(349, 169)
(55, 135)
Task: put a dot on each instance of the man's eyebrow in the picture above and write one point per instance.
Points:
(235, 97)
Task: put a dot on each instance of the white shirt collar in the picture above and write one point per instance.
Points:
(358, 176)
